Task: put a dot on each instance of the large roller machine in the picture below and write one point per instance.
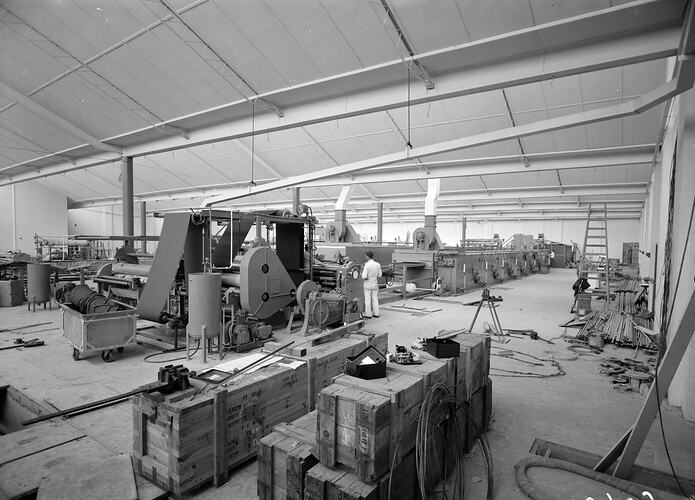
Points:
(258, 280)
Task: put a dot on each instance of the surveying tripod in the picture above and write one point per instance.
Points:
(490, 300)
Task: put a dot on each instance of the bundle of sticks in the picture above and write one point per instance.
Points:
(626, 291)
(618, 328)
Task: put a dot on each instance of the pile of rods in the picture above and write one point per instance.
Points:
(431, 460)
(617, 328)
(626, 291)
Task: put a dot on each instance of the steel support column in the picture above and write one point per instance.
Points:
(463, 232)
(379, 223)
(127, 197)
(143, 225)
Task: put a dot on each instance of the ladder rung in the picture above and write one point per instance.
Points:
(595, 236)
(594, 254)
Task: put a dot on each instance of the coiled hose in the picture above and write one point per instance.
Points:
(535, 493)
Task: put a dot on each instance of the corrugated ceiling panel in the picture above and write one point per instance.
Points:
(545, 11)
(395, 188)
(483, 21)
(642, 128)
(600, 175)
(83, 28)
(88, 107)
(461, 184)
(312, 29)
(638, 79)
(33, 129)
(601, 85)
(358, 148)
(521, 179)
(362, 29)
(350, 127)
(445, 15)
(255, 42)
(294, 161)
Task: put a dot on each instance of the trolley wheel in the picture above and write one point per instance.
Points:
(121, 349)
(75, 354)
(106, 356)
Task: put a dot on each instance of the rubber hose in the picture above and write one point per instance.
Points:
(534, 493)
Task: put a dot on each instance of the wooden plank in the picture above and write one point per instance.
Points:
(37, 438)
(220, 439)
(649, 478)
(109, 478)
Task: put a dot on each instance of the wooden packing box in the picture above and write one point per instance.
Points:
(354, 430)
(481, 408)
(405, 392)
(11, 293)
(284, 457)
(324, 483)
(472, 365)
(325, 361)
(180, 444)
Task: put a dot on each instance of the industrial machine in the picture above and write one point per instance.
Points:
(260, 274)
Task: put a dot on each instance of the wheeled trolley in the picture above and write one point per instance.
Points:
(98, 332)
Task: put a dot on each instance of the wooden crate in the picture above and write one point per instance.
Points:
(172, 440)
(284, 458)
(472, 365)
(11, 293)
(354, 430)
(326, 361)
(405, 392)
(432, 370)
(324, 483)
(481, 408)
(180, 444)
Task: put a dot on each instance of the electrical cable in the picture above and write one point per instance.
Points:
(429, 470)
(147, 358)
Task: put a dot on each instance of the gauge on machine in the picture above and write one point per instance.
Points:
(355, 274)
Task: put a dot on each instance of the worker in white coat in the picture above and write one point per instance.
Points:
(371, 272)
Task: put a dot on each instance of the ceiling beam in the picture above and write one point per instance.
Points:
(46, 114)
(592, 158)
(376, 88)
(681, 83)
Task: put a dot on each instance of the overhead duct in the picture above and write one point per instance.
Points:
(426, 238)
(340, 230)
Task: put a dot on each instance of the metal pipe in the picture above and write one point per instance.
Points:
(379, 222)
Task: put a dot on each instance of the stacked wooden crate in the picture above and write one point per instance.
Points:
(11, 293)
(184, 440)
(366, 429)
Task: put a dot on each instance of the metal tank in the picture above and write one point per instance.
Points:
(204, 304)
(38, 283)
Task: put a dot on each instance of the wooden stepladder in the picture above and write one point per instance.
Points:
(595, 250)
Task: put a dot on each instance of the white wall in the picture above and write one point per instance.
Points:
(30, 208)
(108, 220)
(619, 231)
(679, 139)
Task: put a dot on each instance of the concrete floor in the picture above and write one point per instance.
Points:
(580, 409)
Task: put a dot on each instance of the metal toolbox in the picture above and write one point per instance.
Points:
(98, 332)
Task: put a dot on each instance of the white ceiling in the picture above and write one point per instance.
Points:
(134, 74)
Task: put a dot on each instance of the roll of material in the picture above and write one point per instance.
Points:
(204, 304)
(38, 283)
(179, 237)
(231, 279)
(131, 269)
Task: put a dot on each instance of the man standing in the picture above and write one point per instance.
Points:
(371, 272)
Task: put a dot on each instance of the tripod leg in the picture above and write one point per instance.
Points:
(475, 317)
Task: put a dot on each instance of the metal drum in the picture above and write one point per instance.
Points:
(204, 304)
(38, 283)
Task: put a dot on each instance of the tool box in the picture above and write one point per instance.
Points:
(98, 332)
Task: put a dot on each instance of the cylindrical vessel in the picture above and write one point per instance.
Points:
(39, 283)
(204, 304)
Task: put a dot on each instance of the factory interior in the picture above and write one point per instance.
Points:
(347, 250)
